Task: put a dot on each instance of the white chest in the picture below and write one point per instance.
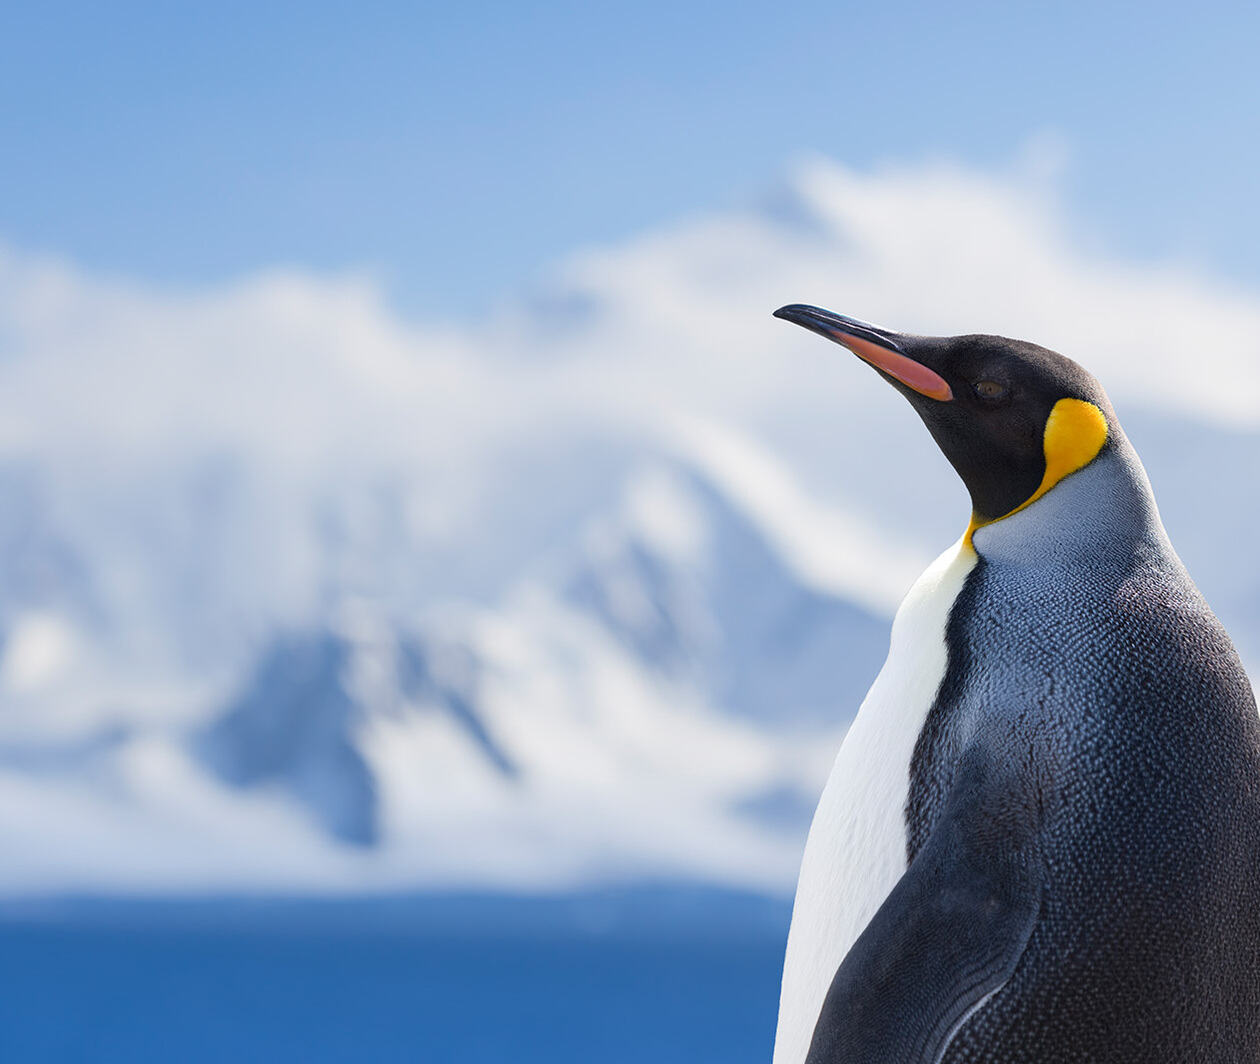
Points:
(856, 850)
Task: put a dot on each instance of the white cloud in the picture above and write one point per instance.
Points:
(317, 377)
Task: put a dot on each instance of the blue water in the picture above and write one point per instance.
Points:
(461, 980)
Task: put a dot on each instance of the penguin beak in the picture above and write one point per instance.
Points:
(880, 348)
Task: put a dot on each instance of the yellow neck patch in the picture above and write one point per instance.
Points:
(1075, 433)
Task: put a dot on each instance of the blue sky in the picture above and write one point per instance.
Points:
(457, 149)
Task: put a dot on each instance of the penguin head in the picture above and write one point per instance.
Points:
(1013, 418)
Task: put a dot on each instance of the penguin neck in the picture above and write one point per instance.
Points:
(1103, 510)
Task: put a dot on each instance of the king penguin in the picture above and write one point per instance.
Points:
(1040, 841)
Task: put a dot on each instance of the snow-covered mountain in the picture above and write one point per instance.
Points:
(295, 594)
(669, 664)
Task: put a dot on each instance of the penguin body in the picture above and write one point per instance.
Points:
(1041, 838)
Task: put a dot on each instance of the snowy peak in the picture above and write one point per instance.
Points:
(293, 725)
(692, 585)
(297, 722)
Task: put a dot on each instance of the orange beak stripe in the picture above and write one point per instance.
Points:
(912, 374)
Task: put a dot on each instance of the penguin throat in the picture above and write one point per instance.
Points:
(1075, 433)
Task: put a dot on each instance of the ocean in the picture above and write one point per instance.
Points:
(647, 975)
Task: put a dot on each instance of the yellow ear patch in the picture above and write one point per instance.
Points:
(1075, 433)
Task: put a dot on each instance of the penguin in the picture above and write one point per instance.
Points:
(1040, 841)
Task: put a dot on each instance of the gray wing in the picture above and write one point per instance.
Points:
(949, 935)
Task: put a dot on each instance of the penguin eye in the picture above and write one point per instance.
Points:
(990, 390)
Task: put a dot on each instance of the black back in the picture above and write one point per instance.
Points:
(1091, 659)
